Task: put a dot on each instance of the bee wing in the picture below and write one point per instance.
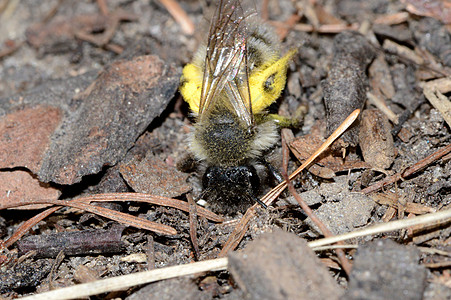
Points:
(226, 62)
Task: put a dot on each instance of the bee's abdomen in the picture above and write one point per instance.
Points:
(263, 46)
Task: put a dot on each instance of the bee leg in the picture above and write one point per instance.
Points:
(294, 121)
(258, 201)
(284, 122)
(272, 170)
(274, 173)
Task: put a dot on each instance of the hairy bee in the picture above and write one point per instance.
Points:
(228, 86)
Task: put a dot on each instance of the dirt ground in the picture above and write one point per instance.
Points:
(89, 105)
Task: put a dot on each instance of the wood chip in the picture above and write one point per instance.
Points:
(402, 51)
(440, 102)
(392, 19)
(375, 139)
(443, 85)
(380, 77)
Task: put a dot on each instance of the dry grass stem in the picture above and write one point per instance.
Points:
(384, 227)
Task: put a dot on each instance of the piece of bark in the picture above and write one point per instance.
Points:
(375, 139)
(403, 51)
(151, 175)
(385, 270)
(74, 243)
(442, 85)
(437, 9)
(400, 33)
(85, 274)
(20, 188)
(440, 102)
(109, 117)
(280, 265)
(392, 18)
(345, 87)
(25, 136)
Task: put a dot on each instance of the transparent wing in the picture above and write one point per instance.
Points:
(226, 61)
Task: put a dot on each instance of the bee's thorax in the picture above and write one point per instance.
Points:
(223, 140)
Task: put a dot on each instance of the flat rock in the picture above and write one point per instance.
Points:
(386, 270)
(28, 120)
(55, 92)
(437, 291)
(342, 211)
(280, 265)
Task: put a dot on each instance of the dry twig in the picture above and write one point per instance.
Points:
(83, 203)
(193, 224)
(439, 101)
(157, 200)
(179, 15)
(103, 7)
(384, 227)
(409, 171)
(392, 19)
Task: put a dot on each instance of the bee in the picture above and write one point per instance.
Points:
(228, 85)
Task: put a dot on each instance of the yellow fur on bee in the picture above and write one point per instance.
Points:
(191, 84)
(265, 83)
(261, 97)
